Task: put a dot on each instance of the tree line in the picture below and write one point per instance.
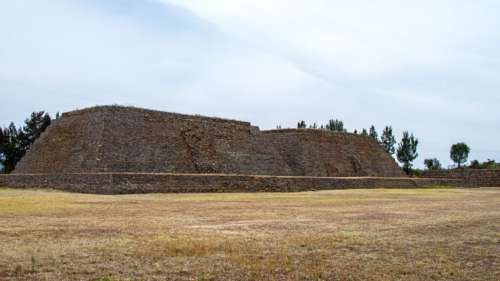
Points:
(406, 149)
(459, 154)
(15, 141)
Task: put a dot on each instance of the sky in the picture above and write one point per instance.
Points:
(431, 67)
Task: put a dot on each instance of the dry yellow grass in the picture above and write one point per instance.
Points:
(383, 234)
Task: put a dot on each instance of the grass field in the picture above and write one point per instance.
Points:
(380, 234)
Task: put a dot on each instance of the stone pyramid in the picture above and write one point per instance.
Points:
(115, 139)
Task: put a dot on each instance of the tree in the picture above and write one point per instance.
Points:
(373, 133)
(335, 125)
(301, 125)
(355, 132)
(459, 153)
(474, 164)
(407, 151)
(3, 140)
(2, 137)
(11, 148)
(364, 132)
(490, 164)
(33, 128)
(432, 164)
(15, 142)
(387, 140)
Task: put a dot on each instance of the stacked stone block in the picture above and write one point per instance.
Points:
(124, 139)
(469, 177)
(129, 183)
(121, 139)
(113, 149)
(332, 154)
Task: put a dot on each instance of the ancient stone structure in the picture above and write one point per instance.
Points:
(113, 150)
(469, 177)
(325, 154)
(124, 139)
(126, 183)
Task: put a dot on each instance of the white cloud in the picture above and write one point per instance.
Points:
(360, 37)
(428, 66)
(409, 63)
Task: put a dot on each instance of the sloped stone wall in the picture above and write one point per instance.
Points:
(132, 140)
(332, 154)
(470, 177)
(70, 144)
(120, 139)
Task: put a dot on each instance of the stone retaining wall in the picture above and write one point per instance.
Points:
(470, 177)
(129, 183)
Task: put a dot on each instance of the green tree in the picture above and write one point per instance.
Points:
(301, 125)
(3, 140)
(373, 133)
(10, 149)
(355, 131)
(459, 153)
(474, 164)
(490, 164)
(432, 164)
(407, 151)
(387, 140)
(34, 127)
(15, 142)
(335, 125)
(364, 132)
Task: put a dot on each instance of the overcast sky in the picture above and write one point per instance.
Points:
(428, 66)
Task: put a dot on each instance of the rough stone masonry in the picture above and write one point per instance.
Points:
(120, 141)
(126, 139)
